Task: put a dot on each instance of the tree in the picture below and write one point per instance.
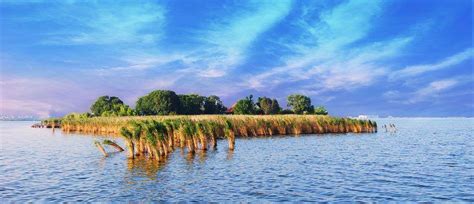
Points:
(268, 106)
(191, 104)
(299, 103)
(320, 110)
(245, 106)
(159, 102)
(120, 110)
(106, 103)
(213, 105)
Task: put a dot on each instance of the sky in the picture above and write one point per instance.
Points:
(407, 58)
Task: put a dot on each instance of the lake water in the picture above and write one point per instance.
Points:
(426, 160)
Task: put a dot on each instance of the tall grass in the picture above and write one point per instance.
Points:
(156, 136)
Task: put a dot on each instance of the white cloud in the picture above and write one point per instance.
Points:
(445, 63)
(428, 92)
(103, 23)
(431, 90)
(324, 54)
(225, 42)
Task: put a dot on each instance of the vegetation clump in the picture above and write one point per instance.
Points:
(153, 129)
(157, 136)
(299, 104)
(245, 106)
(159, 102)
(268, 106)
(110, 106)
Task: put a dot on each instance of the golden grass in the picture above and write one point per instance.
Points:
(156, 136)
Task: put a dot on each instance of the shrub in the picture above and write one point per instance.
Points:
(320, 110)
(286, 111)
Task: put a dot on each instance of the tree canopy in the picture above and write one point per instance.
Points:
(245, 106)
(213, 105)
(191, 104)
(299, 103)
(268, 106)
(106, 103)
(159, 102)
(166, 102)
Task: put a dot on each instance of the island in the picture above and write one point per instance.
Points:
(163, 121)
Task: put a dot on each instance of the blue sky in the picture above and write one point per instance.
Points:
(399, 57)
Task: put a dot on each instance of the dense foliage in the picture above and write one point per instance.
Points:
(166, 102)
(110, 104)
(320, 110)
(123, 110)
(268, 106)
(213, 105)
(245, 106)
(159, 102)
(191, 104)
(77, 116)
(300, 104)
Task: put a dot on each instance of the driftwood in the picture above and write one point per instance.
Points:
(101, 149)
(113, 144)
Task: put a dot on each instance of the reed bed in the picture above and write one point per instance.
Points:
(156, 136)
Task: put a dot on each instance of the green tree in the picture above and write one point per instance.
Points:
(120, 110)
(299, 103)
(159, 102)
(213, 105)
(268, 106)
(320, 110)
(191, 104)
(245, 106)
(106, 103)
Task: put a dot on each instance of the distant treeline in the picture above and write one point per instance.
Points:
(166, 102)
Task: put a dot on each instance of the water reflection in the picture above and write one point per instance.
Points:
(230, 154)
(146, 167)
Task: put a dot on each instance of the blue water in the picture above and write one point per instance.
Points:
(426, 160)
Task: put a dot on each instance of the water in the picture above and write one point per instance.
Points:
(427, 160)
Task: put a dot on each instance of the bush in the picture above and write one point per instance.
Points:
(123, 110)
(286, 111)
(159, 102)
(320, 110)
(77, 116)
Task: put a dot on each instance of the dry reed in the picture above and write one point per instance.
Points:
(156, 136)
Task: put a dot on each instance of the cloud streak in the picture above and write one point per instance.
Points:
(105, 23)
(325, 52)
(411, 71)
(225, 42)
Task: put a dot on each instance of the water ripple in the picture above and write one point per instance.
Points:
(427, 160)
